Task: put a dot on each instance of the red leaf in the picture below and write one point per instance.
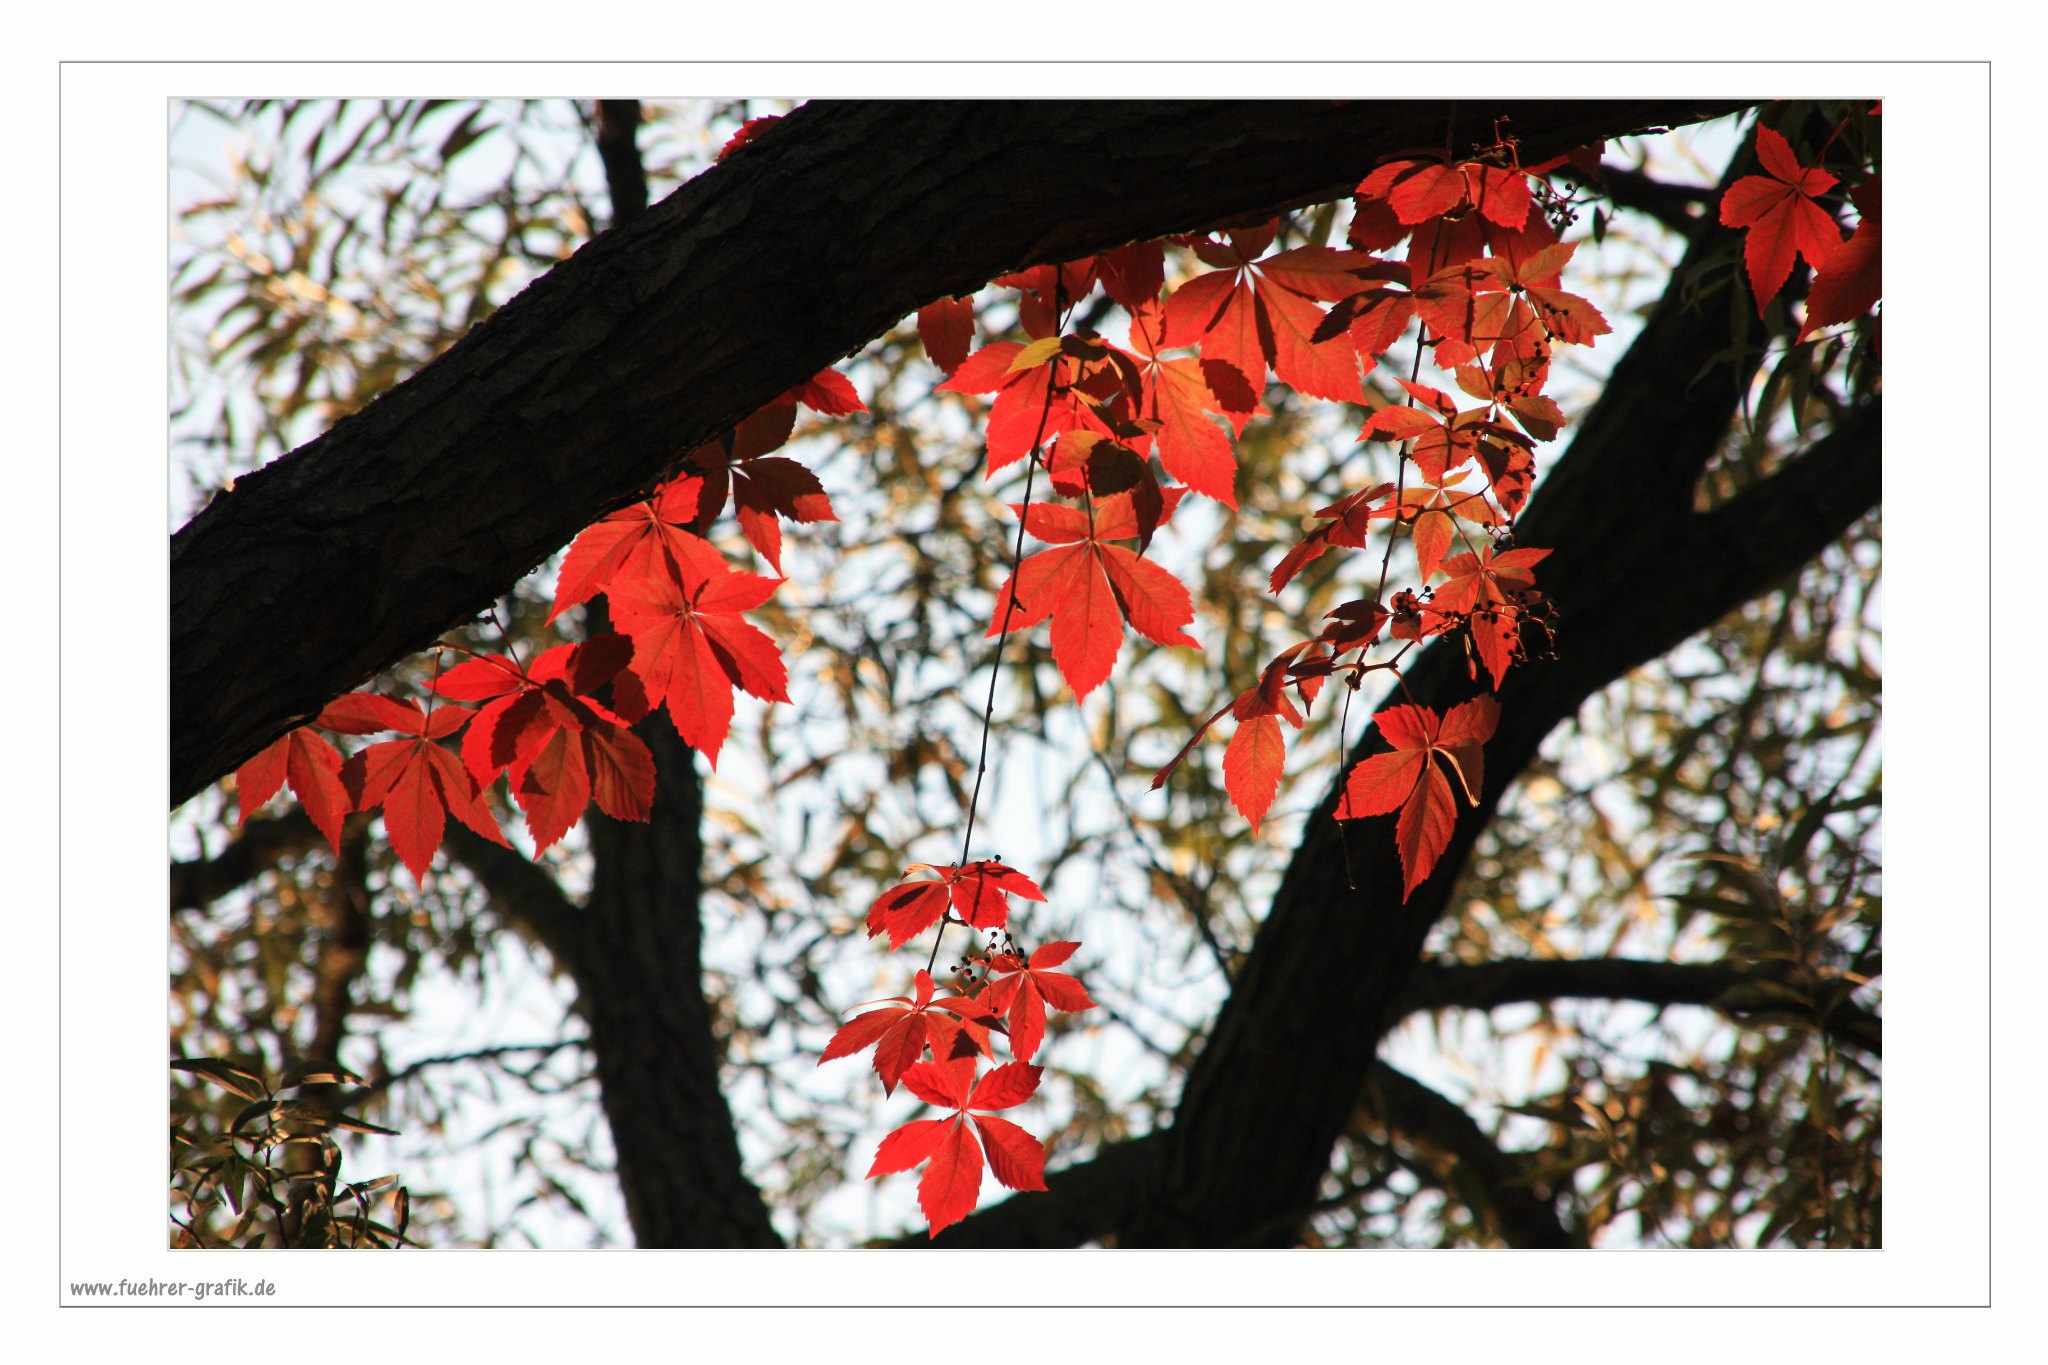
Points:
(829, 392)
(313, 768)
(1021, 994)
(978, 892)
(553, 787)
(367, 713)
(645, 540)
(748, 131)
(1252, 766)
(1016, 1158)
(621, 772)
(907, 1146)
(905, 911)
(691, 648)
(1256, 314)
(1407, 779)
(1849, 283)
(952, 1182)
(1781, 216)
(946, 327)
(1090, 586)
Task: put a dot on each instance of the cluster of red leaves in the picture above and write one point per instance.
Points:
(682, 645)
(999, 991)
(978, 893)
(1482, 276)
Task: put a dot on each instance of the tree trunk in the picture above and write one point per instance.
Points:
(640, 986)
(417, 512)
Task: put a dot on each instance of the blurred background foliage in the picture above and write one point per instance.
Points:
(1713, 817)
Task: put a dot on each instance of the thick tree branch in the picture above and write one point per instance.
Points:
(1742, 993)
(262, 844)
(415, 513)
(1455, 1152)
(1682, 208)
(522, 891)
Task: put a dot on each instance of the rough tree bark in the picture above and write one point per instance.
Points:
(417, 512)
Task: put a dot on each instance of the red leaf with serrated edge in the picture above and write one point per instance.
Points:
(1849, 283)
(621, 772)
(1133, 275)
(1176, 394)
(647, 539)
(480, 679)
(257, 780)
(978, 893)
(691, 648)
(909, 1145)
(952, 1180)
(1780, 215)
(946, 327)
(418, 784)
(1005, 1087)
(903, 912)
(771, 487)
(367, 713)
(982, 891)
(899, 1031)
(1255, 314)
(527, 708)
(1090, 586)
(1252, 766)
(829, 392)
(553, 788)
(313, 768)
(1409, 780)
(1015, 1157)
(1415, 190)
(1485, 585)
(1020, 991)
(1021, 410)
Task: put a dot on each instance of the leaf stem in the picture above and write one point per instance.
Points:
(1009, 602)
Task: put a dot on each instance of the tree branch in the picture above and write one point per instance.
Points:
(1682, 208)
(414, 514)
(522, 891)
(1453, 1151)
(618, 131)
(1741, 993)
(262, 844)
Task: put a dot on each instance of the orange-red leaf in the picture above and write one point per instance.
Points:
(1252, 766)
(1089, 586)
(1410, 780)
(1781, 216)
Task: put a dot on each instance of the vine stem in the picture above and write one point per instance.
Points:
(1009, 608)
